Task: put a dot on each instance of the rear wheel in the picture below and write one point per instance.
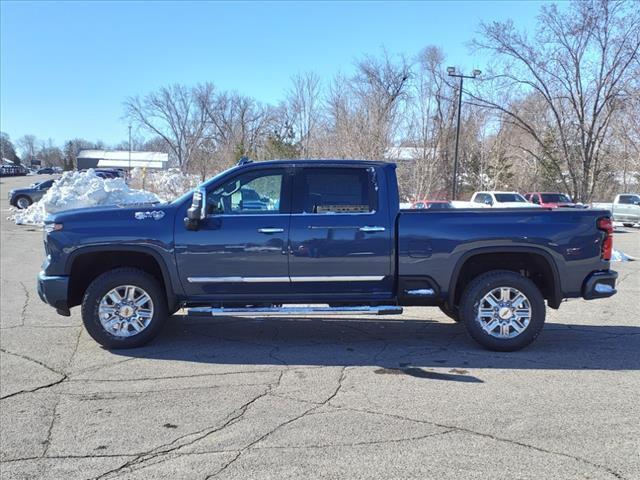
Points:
(502, 310)
(124, 308)
(23, 202)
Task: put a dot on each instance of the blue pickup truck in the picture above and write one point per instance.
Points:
(320, 237)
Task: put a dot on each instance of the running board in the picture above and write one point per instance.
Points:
(299, 311)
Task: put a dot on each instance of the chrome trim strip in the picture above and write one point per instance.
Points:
(237, 279)
(339, 278)
(300, 311)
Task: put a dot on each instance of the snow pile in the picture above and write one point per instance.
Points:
(79, 190)
(618, 256)
(167, 184)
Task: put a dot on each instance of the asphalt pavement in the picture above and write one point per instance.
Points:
(409, 396)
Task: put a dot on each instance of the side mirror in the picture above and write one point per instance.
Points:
(197, 211)
(487, 201)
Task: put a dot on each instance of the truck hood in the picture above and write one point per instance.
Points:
(127, 214)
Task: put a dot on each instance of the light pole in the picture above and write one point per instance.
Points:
(129, 150)
(451, 71)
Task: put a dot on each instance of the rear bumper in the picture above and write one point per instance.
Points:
(54, 291)
(600, 285)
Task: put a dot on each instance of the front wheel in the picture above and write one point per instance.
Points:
(502, 310)
(23, 202)
(124, 308)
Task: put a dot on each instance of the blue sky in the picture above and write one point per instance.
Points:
(66, 67)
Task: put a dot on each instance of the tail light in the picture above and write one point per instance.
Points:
(606, 226)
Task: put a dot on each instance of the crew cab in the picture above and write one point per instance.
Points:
(500, 200)
(625, 208)
(324, 237)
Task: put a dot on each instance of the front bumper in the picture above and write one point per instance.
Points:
(54, 291)
(600, 285)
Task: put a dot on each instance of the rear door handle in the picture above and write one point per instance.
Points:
(369, 229)
(271, 230)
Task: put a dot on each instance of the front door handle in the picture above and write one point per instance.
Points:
(271, 230)
(369, 229)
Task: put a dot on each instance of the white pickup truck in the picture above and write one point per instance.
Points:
(625, 208)
(500, 200)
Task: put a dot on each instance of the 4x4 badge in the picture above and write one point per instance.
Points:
(156, 215)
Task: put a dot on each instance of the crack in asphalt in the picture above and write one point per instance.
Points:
(163, 450)
(63, 376)
(250, 445)
(455, 428)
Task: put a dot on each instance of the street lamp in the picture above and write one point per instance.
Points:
(451, 71)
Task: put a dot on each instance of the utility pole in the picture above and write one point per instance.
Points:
(451, 71)
(129, 150)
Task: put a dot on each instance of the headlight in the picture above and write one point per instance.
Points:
(52, 227)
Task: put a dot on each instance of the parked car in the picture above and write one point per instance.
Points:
(433, 204)
(46, 171)
(106, 173)
(625, 208)
(23, 197)
(13, 170)
(501, 200)
(332, 233)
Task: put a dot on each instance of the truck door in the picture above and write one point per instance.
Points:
(241, 245)
(341, 237)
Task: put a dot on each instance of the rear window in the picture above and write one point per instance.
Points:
(338, 190)
(509, 197)
(555, 198)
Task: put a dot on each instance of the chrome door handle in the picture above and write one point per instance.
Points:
(271, 230)
(369, 229)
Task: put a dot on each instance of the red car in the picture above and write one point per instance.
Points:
(434, 204)
(550, 199)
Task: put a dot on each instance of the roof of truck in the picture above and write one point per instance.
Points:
(321, 162)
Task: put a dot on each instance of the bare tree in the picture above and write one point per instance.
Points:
(174, 114)
(28, 145)
(364, 111)
(578, 65)
(237, 125)
(303, 105)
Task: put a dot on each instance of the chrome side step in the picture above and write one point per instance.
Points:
(299, 311)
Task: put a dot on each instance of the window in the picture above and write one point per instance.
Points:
(628, 199)
(338, 190)
(509, 197)
(479, 198)
(249, 193)
(555, 198)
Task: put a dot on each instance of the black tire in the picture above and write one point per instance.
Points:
(628, 225)
(453, 314)
(24, 198)
(110, 280)
(483, 285)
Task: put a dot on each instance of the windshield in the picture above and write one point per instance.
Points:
(509, 197)
(555, 198)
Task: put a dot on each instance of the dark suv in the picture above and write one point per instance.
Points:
(23, 197)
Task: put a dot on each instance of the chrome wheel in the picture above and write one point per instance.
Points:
(504, 312)
(125, 311)
(23, 202)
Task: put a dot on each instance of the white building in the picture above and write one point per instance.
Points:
(120, 159)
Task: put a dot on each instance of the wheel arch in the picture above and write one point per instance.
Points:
(85, 264)
(483, 259)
